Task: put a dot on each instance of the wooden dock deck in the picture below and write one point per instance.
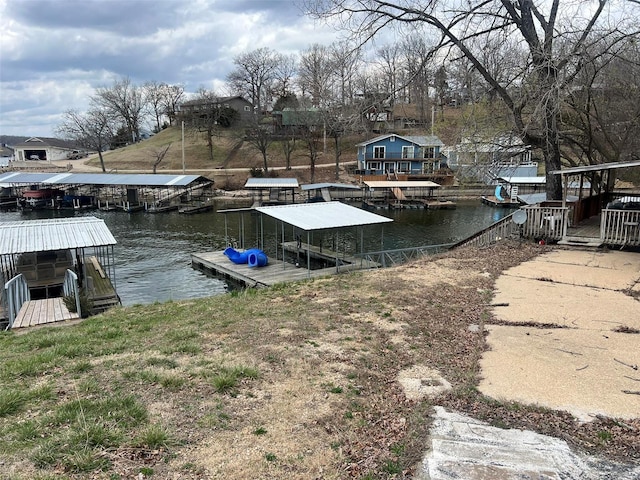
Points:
(41, 312)
(277, 271)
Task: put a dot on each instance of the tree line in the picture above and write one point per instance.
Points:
(562, 77)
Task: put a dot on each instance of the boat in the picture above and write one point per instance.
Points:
(35, 198)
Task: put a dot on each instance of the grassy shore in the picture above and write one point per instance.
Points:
(295, 381)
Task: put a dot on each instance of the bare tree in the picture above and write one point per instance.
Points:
(154, 94)
(125, 101)
(284, 76)
(173, 95)
(259, 136)
(254, 74)
(208, 116)
(158, 155)
(555, 35)
(93, 130)
(315, 73)
(345, 59)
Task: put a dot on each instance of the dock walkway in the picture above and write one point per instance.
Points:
(275, 272)
(41, 312)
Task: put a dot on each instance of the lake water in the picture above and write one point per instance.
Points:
(153, 254)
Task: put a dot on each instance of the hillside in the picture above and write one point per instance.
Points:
(230, 152)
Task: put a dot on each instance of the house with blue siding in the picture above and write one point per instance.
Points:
(400, 155)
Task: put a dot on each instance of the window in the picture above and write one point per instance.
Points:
(392, 139)
(374, 166)
(427, 167)
(407, 151)
(378, 152)
(404, 167)
(429, 152)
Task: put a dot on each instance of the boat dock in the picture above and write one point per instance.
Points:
(277, 271)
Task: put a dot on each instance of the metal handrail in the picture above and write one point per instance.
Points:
(18, 293)
(386, 258)
(70, 288)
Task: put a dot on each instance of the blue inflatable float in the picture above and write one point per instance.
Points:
(254, 257)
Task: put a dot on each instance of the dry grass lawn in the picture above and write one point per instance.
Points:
(333, 378)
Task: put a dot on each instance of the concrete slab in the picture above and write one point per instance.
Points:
(530, 300)
(579, 371)
(610, 270)
(465, 448)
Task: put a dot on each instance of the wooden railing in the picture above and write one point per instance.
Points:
(548, 223)
(620, 227)
(17, 292)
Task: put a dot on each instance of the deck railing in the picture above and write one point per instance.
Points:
(620, 227)
(70, 288)
(546, 222)
(17, 292)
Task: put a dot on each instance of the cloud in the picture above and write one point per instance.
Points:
(54, 53)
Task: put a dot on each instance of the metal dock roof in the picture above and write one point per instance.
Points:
(271, 183)
(337, 186)
(53, 234)
(322, 216)
(401, 184)
(127, 179)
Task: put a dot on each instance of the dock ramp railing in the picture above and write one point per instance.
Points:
(503, 228)
(17, 293)
(70, 288)
(390, 258)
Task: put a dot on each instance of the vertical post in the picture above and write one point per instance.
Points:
(183, 167)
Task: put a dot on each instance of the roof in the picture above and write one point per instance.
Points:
(53, 234)
(524, 180)
(41, 142)
(398, 184)
(130, 179)
(270, 183)
(535, 198)
(322, 216)
(596, 168)
(423, 141)
(316, 186)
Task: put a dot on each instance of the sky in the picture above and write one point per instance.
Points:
(55, 53)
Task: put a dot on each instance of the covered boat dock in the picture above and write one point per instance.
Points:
(114, 191)
(42, 261)
(304, 233)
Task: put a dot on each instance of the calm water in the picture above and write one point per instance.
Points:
(153, 254)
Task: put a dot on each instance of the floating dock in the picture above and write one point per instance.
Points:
(277, 271)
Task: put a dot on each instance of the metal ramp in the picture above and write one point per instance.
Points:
(326, 194)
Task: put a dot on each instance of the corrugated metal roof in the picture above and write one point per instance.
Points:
(53, 234)
(398, 184)
(127, 179)
(271, 183)
(316, 186)
(322, 216)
